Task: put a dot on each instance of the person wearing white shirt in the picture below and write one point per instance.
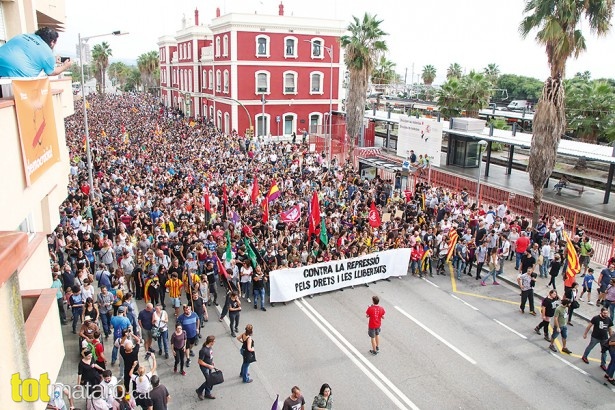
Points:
(108, 385)
(545, 252)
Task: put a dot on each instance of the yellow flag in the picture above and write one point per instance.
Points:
(87, 105)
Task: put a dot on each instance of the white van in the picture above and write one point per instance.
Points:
(519, 105)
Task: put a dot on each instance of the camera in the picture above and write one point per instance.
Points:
(64, 59)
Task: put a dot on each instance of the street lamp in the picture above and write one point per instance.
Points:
(481, 144)
(328, 140)
(88, 150)
(245, 109)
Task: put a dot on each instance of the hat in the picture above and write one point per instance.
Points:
(85, 319)
(121, 309)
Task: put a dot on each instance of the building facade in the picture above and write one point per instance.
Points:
(32, 343)
(273, 74)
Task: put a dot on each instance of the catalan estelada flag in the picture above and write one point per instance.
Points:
(274, 191)
(426, 256)
(453, 236)
(572, 258)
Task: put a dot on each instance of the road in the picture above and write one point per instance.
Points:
(445, 344)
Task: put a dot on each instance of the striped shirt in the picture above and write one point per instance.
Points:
(175, 287)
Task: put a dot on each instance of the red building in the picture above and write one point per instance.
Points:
(225, 71)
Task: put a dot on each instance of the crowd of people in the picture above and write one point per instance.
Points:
(172, 197)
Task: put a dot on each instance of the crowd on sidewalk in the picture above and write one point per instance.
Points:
(182, 216)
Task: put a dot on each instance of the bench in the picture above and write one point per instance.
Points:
(558, 187)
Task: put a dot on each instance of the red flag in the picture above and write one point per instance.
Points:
(206, 200)
(224, 195)
(292, 215)
(266, 210)
(254, 190)
(314, 225)
(374, 216)
(221, 269)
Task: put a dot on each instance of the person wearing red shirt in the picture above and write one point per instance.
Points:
(521, 246)
(375, 313)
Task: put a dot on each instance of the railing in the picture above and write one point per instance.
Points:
(601, 231)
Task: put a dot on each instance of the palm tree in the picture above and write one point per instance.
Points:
(454, 71)
(362, 46)
(148, 64)
(429, 74)
(118, 73)
(590, 109)
(558, 24)
(384, 71)
(476, 91)
(492, 72)
(448, 98)
(100, 57)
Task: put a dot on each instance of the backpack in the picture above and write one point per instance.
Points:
(92, 348)
(123, 405)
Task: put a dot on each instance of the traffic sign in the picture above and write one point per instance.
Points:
(278, 118)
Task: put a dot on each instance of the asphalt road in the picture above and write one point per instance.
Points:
(445, 344)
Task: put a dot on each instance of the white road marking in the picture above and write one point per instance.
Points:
(430, 282)
(570, 364)
(381, 381)
(464, 302)
(510, 329)
(437, 336)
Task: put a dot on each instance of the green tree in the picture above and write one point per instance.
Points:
(384, 71)
(476, 91)
(590, 109)
(362, 46)
(100, 60)
(557, 23)
(133, 79)
(492, 72)
(118, 73)
(429, 74)
(454, 70)
(148, 65)
(448, 98)
(520, 87)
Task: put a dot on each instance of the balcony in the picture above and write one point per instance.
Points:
(38, 200)
(29, 318)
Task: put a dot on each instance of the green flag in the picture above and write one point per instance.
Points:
(250, 252)
(324, 238)
(229, 253)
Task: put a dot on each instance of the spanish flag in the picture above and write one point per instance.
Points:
(452, 243)
(274, 191)
(572, 267)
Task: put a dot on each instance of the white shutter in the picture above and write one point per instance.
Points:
(3, 38)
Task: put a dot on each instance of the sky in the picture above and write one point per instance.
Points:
(473, 33)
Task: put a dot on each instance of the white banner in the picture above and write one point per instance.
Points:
(422, 135)
(289, 284)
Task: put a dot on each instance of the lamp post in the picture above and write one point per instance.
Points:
(481, 144)
(245, 109)
(329, 139)
(88, 148)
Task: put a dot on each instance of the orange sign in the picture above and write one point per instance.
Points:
(37, 126)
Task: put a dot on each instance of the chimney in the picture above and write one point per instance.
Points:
(217, 11)
(196, 17)
(281, 9)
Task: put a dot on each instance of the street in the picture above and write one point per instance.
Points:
(444, 344)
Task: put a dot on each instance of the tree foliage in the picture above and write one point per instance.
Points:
(468, 94)
(520, 87)
(362, 46)
(429, 74)
(100, 62)
(590, 109)
(148, 65)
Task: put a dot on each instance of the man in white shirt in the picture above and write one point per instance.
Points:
(108, 387)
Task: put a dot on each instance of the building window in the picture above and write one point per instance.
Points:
(204, 79)
(289, 123)
(174, 77)
(262, 82)
(211, 113)
(226, 81)
(181, 79)
(290, 82)
(217, 46)
(262, 124)
(315, 123)
(227, 123)
(290, 47)
(316, 82)
(211, 81)
(225, 46)
(218, 81)
(262, 46)
(317, 44)
(219, 120)
(189, 46)
(190, 81)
